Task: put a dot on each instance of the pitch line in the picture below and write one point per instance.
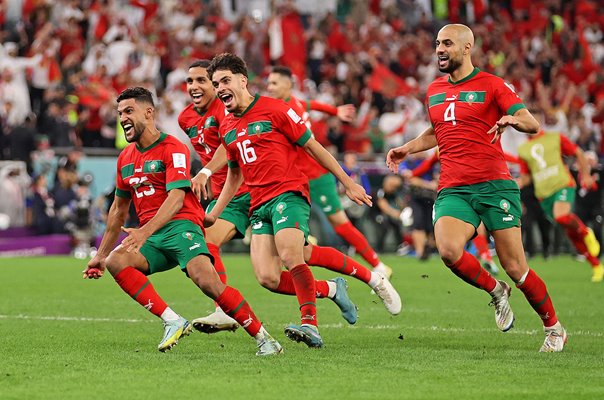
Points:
(432, 328)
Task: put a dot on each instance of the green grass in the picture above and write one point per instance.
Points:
(66, 338)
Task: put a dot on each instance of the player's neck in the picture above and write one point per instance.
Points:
(246, 100)
(150, 136)
(462, 72)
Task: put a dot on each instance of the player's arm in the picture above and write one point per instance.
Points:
(344, 112)
(138, 236)
(199, 182)
(355, 191)
(425, 141)
(522, 120)
(118, 212)
(387, 209)
(233, 181)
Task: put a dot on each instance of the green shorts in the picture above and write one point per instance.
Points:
(496, 203)
(288, 210)
(236, 212)
(566, 195)
(324, 193)
(176, 243)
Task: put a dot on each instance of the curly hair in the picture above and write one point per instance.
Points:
(229, 62)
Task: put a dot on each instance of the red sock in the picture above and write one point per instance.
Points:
(138, 286)
(576, 230)
(286, 286)
(468, 268)
(483, 247)
(536, 293)
(332, 259)
(218, 265)
(304, 283)
(352, 235)
(233, 303)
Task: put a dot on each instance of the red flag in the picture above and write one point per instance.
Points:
(294, 44)
(384, 81)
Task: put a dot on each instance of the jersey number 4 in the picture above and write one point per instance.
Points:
(450, 114)
(247, 152)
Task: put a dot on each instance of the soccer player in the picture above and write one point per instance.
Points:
(260, 136)
(323, 189)
(465, 107)
(201, 120)
(153, 171)
(541, 161)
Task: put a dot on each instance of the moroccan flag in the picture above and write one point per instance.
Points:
(287, 44)
(384, 81)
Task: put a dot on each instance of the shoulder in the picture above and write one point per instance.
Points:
(186, 112)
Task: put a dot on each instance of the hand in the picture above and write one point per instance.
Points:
(395, 156)
(357, 194)
(586, 181)
(95, 268)
(500, 126)
(209, 220)
(407, 174)
(347, 112)
(198, 185)
(135, 239)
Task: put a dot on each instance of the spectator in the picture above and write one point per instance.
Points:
(389, 205)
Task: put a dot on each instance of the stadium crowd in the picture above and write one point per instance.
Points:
(62, 64)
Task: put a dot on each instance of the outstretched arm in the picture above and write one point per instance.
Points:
(522, 121)
(425, 141)
(355, 191)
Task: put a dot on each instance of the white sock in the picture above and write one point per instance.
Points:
(375, 279)
(498, 291)
(333, 288)
(262, 333)
(169, 315)
(523, 278)
(380, 265)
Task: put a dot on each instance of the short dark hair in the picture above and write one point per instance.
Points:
(138, 93)
(228, 62)
(200, 64)
(282, 70)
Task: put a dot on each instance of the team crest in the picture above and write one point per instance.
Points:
(188, 235)
(471, 97)
(505, 206)
(280, 207)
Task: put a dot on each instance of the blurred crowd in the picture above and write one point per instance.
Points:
(62, 63)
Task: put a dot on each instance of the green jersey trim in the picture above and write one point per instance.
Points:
(153, 166)
(180, 184)
(123, 193)
(162, 137)
(304, 138)
(467, 78)
(436, 99)
(210, 122)
(230, 136)
(512, 110)
(127, 170)
(256, 97)
(472, 97)
(259, 127)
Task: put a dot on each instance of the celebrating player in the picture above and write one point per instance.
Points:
(201, 120)
(555, 188)
(465, 107)
(323, 189)
(153, 171)
(260, 136)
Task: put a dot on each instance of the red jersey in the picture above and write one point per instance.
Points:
(147, 175)
(202, 128)
(263, 142)
(311, 168)
(461, 113)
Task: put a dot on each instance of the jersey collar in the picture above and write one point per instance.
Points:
(467, 78)
(162, 136)
(256, 97)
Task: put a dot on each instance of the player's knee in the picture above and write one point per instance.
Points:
(116, 261)
(268, 280)
(291, 257)
(449, 253)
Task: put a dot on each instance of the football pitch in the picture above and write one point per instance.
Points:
(66, 338)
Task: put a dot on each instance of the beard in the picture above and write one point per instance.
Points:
(451, 67)
(138, 132)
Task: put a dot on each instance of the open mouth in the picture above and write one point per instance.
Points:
(443, 60)
(128, 128)
(196, 97)
(226, 99)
